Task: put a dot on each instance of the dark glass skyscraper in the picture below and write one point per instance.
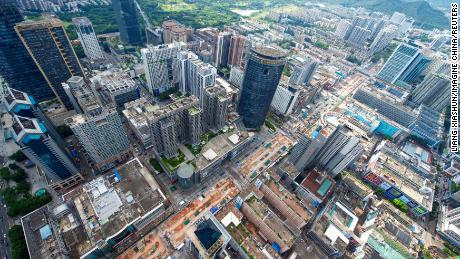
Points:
(48, 44)
(16, 65)
(128, 22)
(264, 67)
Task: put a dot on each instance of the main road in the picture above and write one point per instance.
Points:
(5, 251)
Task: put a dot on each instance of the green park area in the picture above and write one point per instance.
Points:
(17, 196)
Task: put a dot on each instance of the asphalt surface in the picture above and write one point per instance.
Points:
(5, 245)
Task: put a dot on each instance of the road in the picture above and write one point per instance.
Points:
(5, 251)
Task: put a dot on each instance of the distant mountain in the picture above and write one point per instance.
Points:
(423, 13)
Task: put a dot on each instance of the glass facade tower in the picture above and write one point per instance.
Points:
(16, 65)
(128, 22)
(264, 67)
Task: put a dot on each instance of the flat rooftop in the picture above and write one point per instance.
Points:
(318, 183)
(219, 146)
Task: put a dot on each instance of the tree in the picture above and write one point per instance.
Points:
(18, 156)
(19, 175)
(18, 243)
(5, 173)
(64, 131)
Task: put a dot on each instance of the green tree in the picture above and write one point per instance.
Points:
(18, 243)
(5, 173)
(18, 156)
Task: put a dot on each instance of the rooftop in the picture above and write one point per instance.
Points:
(94, 213)
(318, 183)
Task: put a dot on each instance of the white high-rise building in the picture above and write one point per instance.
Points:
(183, 61)
(439, 41)
(342, 28)
(399, 61)
(303, 71)
(397, 18)
(102, 136)
(160, 64)
(88, 38)
(358, 36)
(284, 99)
(383, 39)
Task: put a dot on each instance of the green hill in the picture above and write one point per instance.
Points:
(424, 14)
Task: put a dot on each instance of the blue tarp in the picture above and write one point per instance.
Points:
(214, 209)
(117, 174)
(276, 247)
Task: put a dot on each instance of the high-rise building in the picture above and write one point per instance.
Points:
(304, 69)
(178, 122)
(49, 46)
(439, 66)
(195, 75)
(236, 76)
(262, 74)
(39, 146)
(415, 69)
(128, 21)
(377, 28)
(21, 104)
(236, 50)
(154, 36)
(102, 137)
(383, 39)
(397, 18)
(175, 32)
(340, 150)
(88, 38)
(433, 92)
(17, 67)
(439, 41)
(342, 29)
(399, 61)
(183, 60)
(304, 153)
(115, 87)
(215, 108)
(160, 63)
(224, 40)
(358, 36)
(285, 98)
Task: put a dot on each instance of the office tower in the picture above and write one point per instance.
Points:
(236, 50)
(397, 18)
(49, 46)
(154, 36)
(383, 39)
(342, 29)
(340, 150)
(439, 41)
(433, 92)
(88, 38)
(175, 123)
(39, 146)
(299, 149)
(200, 75)
(21, 104)
(128, 21)
(358, 36)
(215, 108)
(102, 136)
(398, 62)
(223, 49)
(415, 69)
(304, 69)
(160, 63)
(428, 125)
(17, 67)
(175, 32)
(262, 74)
(183, 62)
(308, 148)
(285, 98)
